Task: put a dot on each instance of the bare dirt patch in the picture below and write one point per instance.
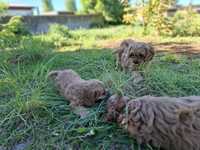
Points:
(171, 47)
(175, 47)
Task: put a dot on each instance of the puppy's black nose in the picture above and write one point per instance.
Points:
(108, 94)
(105, 96)
(136, 62)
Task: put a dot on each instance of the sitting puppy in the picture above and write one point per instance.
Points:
(78, 91)
(131, 54)
(165, 122)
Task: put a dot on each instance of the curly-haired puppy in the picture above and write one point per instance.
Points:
(131, 54)
(165, 122)
(78, 91)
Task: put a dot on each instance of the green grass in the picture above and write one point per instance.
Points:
(32, 112)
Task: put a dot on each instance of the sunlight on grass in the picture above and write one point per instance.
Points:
(31, 108)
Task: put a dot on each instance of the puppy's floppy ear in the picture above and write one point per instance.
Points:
(152, 51)
(149, 52)
(95, 94)
(125, 44)
(53, 74)
(118, 51)
(185, 115)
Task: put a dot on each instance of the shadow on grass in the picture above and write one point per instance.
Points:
(53, 125)
(178, 48)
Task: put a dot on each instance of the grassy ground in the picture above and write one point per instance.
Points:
(34, 116)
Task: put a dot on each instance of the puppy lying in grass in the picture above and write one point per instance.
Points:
(131, 54)
(79, 92)
(165, 122)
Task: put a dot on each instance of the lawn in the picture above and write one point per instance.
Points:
(34, 116)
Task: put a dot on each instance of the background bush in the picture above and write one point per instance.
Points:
(31, 49)
(12, 32)
(16, 26)
(186, 23)
(58, 35)
(8, 40)
(129, 16)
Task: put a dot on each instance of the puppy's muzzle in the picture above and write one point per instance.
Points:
(136, 62)
(106, 96)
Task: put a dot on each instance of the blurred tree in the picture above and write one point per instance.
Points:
(70, 5)
(145, 12)
(175, 2)
(129, 14)
(88, 6)
(154, 12)
(112, 10)
(47, 5)
(125, 2)
(161, 21)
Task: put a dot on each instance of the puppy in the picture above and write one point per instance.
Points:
(164, 122)
(78, 91)
(131, 54)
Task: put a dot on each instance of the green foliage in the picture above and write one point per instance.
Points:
(8, 39)
(11, 33)
(47, 5)
(153, 14)
(111, 10)
(171, 58)
(88, 6)
(186, 23)
(172, 79)
(115, 80)
(129, 16)
(59, 35)
(59, 29)
(161, 23)
(70, 5)
(3, 7)
(16, 26)
(30, 49)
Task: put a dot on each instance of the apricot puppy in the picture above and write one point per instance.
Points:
(164, 122)
(131, 54)
(78, 91)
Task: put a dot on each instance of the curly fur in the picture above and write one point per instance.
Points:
(78, 91)
(131, 54)
(165, 122)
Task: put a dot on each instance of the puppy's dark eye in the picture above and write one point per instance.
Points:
(141, 55)
(104, 93)
(126, 44)
(131, 55)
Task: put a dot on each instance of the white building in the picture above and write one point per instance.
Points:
(21, 10)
